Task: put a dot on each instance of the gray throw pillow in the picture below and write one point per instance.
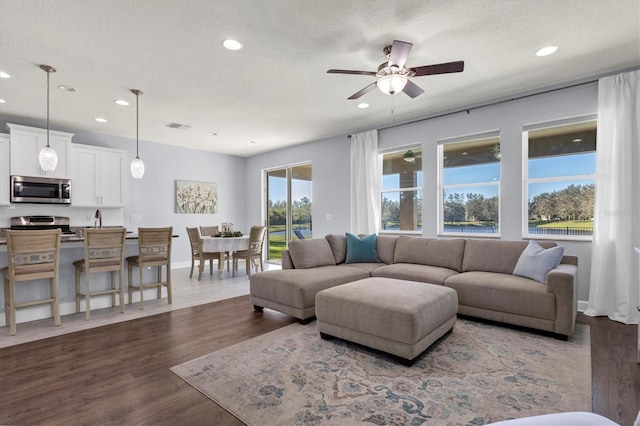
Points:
(311, 253)
(535, 262)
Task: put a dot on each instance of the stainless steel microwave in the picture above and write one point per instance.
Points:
(28, 189)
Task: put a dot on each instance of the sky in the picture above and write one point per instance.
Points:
(299, 189)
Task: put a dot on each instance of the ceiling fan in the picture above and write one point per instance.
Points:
(393, 76)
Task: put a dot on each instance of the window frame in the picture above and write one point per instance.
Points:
(526, 181)
(490, 134)
(381, 155)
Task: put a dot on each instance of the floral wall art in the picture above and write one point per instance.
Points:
(196, 197)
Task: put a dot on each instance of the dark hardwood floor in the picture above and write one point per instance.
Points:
(119, 374)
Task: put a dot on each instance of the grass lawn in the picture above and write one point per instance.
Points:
(588, 224)
(277, 244)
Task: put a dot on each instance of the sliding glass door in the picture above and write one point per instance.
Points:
(288, 208)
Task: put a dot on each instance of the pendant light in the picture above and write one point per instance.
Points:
(48, 158)
(137, 166)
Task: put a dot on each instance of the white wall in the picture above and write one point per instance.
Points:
(330, 159)
(330, 189)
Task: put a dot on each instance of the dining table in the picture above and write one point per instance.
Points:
(222, 245)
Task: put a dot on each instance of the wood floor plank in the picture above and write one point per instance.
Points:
(119, 374)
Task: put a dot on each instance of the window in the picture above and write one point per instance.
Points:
(559, 187)
(401, 195)
(288, 208)
(470, 186)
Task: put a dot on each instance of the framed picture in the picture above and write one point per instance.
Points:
(196, 197)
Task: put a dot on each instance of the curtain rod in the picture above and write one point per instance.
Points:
(488, 104)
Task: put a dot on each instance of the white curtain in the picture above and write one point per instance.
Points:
(613, 290)
(365, 183)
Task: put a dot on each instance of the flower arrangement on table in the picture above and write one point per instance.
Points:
(229, 234)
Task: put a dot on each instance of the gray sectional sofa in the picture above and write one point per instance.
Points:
(481, 272)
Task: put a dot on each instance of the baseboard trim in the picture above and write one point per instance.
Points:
(582, 305)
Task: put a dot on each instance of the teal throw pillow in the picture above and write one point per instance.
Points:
(535, 262)
(361, 250)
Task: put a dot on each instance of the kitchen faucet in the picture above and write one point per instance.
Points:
(98, 219)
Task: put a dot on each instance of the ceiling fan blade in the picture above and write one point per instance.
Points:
(332, 71)
(445, 68)
(399, 53)
(363, 91)
(412, 89)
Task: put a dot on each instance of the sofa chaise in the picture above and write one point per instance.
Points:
(481, 271)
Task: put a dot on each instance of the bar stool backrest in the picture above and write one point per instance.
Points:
(33, 255)
(104, 248)
(154, 245)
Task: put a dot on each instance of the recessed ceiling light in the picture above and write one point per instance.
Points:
(4, 75)
(213, 134)
(100, 120)
(232, 44)
(546, 51)
(577, 140)
(67, 88)
(2, 101)
(121, 102)
(464, 153)
(363, 105)
(252, 141)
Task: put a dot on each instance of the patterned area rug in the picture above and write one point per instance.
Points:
(475, 375)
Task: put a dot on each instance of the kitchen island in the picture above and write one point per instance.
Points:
(71, 249)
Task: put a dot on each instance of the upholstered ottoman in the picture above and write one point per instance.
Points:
(399, 317)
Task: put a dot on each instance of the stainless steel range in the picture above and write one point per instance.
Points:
(41, 222)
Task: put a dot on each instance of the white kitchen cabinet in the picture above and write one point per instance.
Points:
(97, 178)
(4, 169)
(26, 143)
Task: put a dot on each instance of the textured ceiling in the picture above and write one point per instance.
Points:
(276, 91)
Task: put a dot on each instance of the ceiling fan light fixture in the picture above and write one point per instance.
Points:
(496, 152)
(409, 156)
(392, 83)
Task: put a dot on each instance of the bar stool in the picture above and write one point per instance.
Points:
(31, 255)
(103, 252)
(154, 249)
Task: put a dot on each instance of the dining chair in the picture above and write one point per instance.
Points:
(209, 231)
(31, 255)
(254, 252)
(154, 249)
(103, 252)
(197, 253)
(212, 231)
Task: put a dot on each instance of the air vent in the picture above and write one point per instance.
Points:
(178, 126)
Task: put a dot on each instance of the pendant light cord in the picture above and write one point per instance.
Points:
(47, 109)
(137, 93)
(48, 69)
(137, 123)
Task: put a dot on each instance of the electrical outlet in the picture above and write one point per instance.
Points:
(328, 217)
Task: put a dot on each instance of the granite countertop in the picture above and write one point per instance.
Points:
(71, 238)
